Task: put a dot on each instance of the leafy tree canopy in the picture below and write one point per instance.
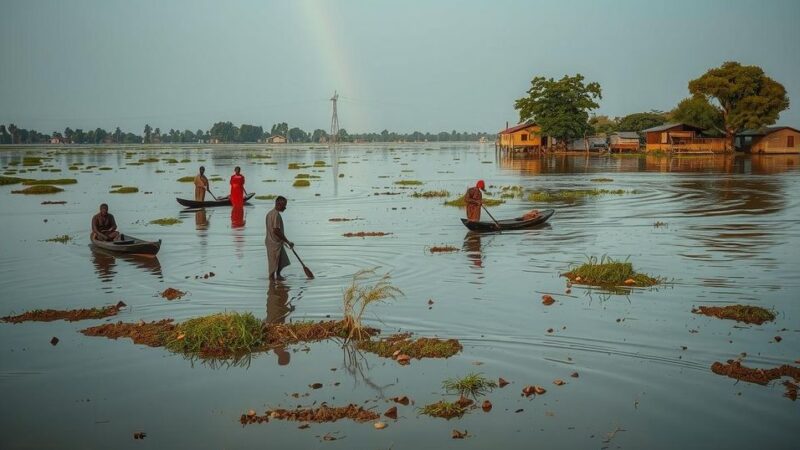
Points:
(561, 108)
(697, 111)
(641, 121)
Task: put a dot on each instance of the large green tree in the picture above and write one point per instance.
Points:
(224, 131)
(697, 111)
(560, 107)
(745, 96)
(641, 121)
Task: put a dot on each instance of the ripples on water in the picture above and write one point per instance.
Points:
(728, 233)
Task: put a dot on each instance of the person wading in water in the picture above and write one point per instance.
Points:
(474, 199)
(104, 227)
(277, 258)
(237, 188)
(200, 185)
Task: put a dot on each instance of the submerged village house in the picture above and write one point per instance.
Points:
(524, 137)
(683, 138)
(624, 141)
(769, 140)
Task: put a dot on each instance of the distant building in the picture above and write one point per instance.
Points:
(589, 143)
(624, 141)
(769, 140)
(682, 138)
(277, 139)
(525, 136)
(56, 140)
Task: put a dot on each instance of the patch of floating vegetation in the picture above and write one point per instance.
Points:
(295, 166)
(442, 249)
(269, 181)
(166, 221)
(105, 168)
(5, 181)
(31, 161)
(301, 183)
(306, 176)
(134, 164)
(124, 190)
(431, 194)
(462, 203)
(59, 181)
(366, 234)
(63, 239)
(740, 313)
(571, 195)
(171, 161)
(189, 179)
(148, 160)
(74, 168)
(342, 219)
(160, 171)
(189, 160)
(50, 202)
(609, 272)
(445, 410)
(321, 414)
(734, 369)
(266, 197)
(217, 335)
(403, 344)
(152, 334)
(473, 385)
(408, 182)
(319, 163)
(39, 190)
(602, 180)
(72, 315)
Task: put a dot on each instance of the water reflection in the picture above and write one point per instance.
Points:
(237, 217)
(201, 219)
(278, 309)
(237, 226)
(105, 264)
(472, 248)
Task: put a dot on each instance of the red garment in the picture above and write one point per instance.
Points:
(237, 217)
(237, 190)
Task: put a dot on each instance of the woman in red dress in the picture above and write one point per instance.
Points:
(237, 188)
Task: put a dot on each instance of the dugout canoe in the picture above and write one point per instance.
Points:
(510, 224)
(128, 245)
(223, 201)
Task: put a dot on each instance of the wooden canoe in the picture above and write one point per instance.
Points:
(223, 201)
(129, 245)
(510, 224)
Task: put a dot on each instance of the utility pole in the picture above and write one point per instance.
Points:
(334, 121)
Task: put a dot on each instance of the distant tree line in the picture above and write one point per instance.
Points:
(222, 132)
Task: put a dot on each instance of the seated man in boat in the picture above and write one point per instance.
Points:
(104, 227)
(200, 185)
(474, 199)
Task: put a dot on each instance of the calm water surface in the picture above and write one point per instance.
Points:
(731, 235)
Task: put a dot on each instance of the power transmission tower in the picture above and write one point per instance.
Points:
(334, 121)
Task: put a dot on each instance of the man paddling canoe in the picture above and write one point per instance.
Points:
(104, 227)
(200, 185)
(474, 199)
(277, 258)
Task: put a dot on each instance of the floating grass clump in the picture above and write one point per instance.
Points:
(307, 176)
(408, 182)
(166, 221)
(105, 168)
(31, 161)
(295, 166)
(124, 190)
(321, 414)
(442, 249)
(444, 409)
(570, 196)
(609, 272)
(72, 315)
(266, 197)
(602, 180)
(60, 181)
(740, 313)
(415, 348)
(148, 160)
(462, 203)
(39, 189)
(319, 163)
(4, 181)
(60, 239)
(358, 296)
(188, 179)
(362, 234)
(472, 385)
(431, 194)
(216, 335)
(301, 183)
(171, 161)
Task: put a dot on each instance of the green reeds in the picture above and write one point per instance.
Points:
(357, 297)
(444, 409)
(57, 181)
(570, 196)
(221, 334)
(431, 194)
(39, 189)
(609, 272)
(473, 385)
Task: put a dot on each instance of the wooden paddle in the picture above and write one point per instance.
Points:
(212, 194)
(493, 219)
(308, 272)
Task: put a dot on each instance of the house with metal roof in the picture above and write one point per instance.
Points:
(589, 143)
(682, 138)
(769, 140)
(525, 136)
(624, 141)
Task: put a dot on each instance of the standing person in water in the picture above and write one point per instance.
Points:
(200, 185)
(237, 188)
(104, 227)
(474, 200)
(277, 258)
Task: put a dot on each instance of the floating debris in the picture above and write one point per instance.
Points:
(166, 221)
(322, 414)
(152, 334)
(58, 202)
(342, 219)
(124, 190)
(431, 194)
(362, 234)
(442, 249)
(408, 183)
(392, 346)
(548, 300)
(72, 315)
(734, 369)
(570, 196)
(60, 239)
(266, 197)
(456, 434)
(444, 409)
(172, 294)
(740, 313)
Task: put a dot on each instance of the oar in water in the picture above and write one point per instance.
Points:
(212, 194)
(493, 219)
(308, 272)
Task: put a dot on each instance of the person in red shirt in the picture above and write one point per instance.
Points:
(474, 200)
(237, 188)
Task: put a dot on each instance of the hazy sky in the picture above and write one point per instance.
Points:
(403, 65)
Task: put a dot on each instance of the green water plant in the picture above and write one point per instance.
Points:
(444, 409)
(5, 181)
(431, 194)
(124, 190)
(60, 239)
(472, 385)
(60, 181)
(188, 179)
(408, 183)
(219, 334)
(740, 313)
(301, 183)
(606, 271)
(358, 296)
(39, 190)
(570, 196)
(166, 221)
(461, 202)
(266, 197)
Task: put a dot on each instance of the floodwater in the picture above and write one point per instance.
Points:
(730, 234)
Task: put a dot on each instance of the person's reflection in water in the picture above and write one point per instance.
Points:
(237, 225)
(104, 266)
(278, 308)
(201, 219)
(472, 248)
